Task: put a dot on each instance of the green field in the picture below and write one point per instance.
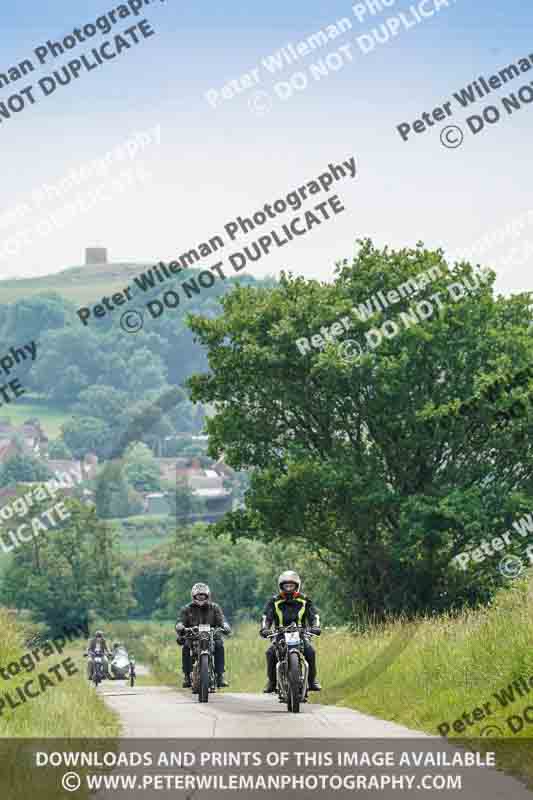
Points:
(51, 418)
(81, 285)
(80, 295)
(141, 533)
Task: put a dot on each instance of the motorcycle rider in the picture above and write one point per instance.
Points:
(98, 646)
(201, 611)
(283, 609)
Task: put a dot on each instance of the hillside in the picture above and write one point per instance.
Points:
(77, 284)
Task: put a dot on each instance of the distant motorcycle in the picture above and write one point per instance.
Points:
(292, 669)
(201, 640)
(122, 666)
(98, 672)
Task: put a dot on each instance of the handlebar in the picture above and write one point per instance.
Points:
(288, 628)
(194, 630)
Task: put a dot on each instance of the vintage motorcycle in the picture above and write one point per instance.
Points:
(98, 673)
(292, 669)
(201, 640)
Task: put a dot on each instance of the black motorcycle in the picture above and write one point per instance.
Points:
(98, 671)
(292, 669)
(201, 640)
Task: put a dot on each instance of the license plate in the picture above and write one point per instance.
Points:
(204, 628)
(292, 638)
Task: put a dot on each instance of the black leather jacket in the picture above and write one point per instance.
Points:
(209, 614)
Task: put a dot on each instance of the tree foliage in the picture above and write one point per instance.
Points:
(141, 468)
(23, 467)
(369, 462)
(68, 573)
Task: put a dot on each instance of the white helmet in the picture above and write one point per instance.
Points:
(200, 588)
(289, 577)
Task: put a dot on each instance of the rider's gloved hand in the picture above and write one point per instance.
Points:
(317, 631)
(264, 632)
(226, 628)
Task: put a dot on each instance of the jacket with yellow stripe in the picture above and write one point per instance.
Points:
(281, 612)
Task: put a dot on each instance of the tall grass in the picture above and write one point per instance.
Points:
(417, 674)
(69, 708)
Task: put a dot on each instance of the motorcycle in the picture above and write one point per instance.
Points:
(292, 669)
(122, 666)
(201, 640)
(98, 673)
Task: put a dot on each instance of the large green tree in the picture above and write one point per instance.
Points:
(113, 496)
(23, 467)
(84, 435)
(368, 461)
(68, 573)
(141, 468)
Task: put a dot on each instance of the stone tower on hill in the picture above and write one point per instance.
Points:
(95, 255)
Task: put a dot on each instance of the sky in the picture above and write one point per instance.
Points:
(212, 164)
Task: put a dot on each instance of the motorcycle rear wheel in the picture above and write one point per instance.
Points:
(293, 695)
(203, 693)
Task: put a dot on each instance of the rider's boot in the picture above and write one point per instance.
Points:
(221, 681)
(314, 686)
(187, 683)
(270, 687)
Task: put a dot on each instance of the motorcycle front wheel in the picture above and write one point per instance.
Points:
(203, 693)
(293, 695)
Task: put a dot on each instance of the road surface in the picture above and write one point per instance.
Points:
(159, 712)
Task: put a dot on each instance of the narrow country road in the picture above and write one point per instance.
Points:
(158, 711)
(164, 713)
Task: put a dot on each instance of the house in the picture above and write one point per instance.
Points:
(30, 433)
(8, 449)
(207, 485)
(223, 469)
(156, 503)
(167, 468)
(85, 470)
